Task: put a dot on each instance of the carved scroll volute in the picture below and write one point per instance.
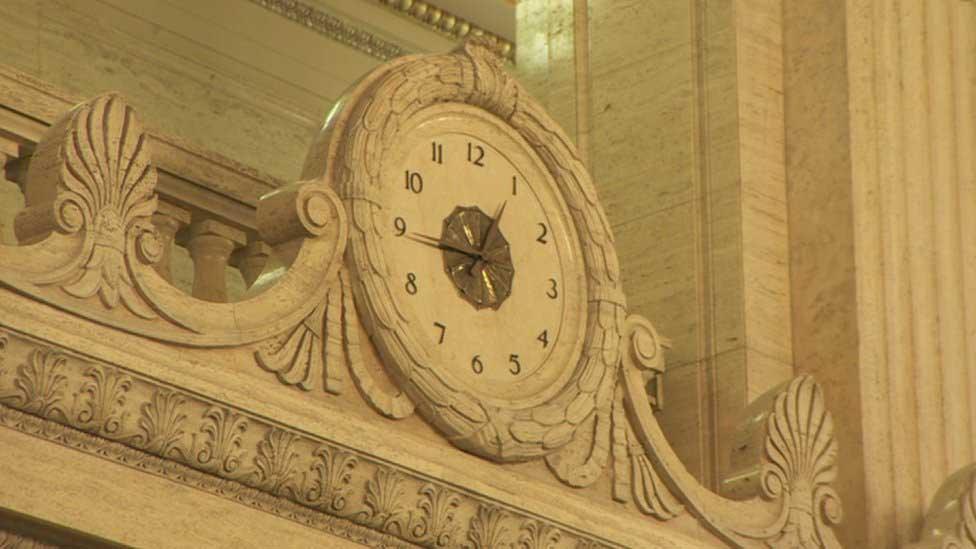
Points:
(306, 225)
(798, 506)
(90, 244)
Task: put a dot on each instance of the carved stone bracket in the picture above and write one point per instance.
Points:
(798, 504)
(87, 227)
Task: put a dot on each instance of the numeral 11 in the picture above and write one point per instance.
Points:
(437, 152)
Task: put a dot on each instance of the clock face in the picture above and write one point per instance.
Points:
(481, 255)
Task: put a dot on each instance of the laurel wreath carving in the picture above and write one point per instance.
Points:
(358, 134)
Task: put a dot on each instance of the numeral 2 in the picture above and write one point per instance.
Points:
(542, 235)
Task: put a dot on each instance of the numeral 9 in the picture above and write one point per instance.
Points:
(400, 225)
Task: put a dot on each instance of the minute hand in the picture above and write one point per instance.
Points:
(437, 243)
(493, 228)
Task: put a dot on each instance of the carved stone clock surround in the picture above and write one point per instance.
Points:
(92, 261)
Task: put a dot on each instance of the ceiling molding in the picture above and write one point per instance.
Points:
(344, 32)
(447, 23)
(333, 27)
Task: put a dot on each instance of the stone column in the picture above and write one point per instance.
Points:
(678, 106)
(880, 126)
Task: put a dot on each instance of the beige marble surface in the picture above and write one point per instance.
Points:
(685, 144)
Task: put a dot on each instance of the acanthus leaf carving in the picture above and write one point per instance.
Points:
(277, 469)
(275, 463)
(103, 401)
(161, 421)
(332, 473)
(436, 525)
(385, 507)
(489, 528)
(222, 446)
(535, 535)
(295, 357)
(40, 383)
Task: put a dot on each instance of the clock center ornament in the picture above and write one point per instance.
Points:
(509, 332)
(476, 255)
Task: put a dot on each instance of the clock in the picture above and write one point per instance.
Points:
(481, 263)
(481, 251)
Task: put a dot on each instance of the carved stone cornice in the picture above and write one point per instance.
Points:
(340, 30)
(333, 27)
(122, 416)
(10, 540)
(445, 22)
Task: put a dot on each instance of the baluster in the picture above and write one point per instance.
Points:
(169, 220)
(251, 260)
(11, 196)
(211, 244)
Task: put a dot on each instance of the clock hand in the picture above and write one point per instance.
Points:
(493, 227)
(437, 243)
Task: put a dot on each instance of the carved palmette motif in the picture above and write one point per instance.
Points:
(106, 187)
(227, 452)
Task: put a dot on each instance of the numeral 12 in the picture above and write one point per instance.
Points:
(476, 154)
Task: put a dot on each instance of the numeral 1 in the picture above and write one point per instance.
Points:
(514, 185)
